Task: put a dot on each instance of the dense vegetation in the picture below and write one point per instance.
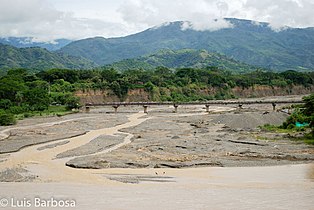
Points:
(37, 59)
(249, 42)
(185, 58)
(301, 120)
(23, 92)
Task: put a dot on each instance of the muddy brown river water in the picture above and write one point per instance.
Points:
(279, 187)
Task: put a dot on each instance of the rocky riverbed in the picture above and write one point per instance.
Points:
(183, 140)
(225, 137)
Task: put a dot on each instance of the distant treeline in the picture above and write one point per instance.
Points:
(23, 92)
(35, 91)
(171, 85)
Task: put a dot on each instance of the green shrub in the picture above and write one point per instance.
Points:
(17, 109)
(296, 116)
(5, 104)
(291, 126)
(27, 115)
(6, 118)
(72, 102)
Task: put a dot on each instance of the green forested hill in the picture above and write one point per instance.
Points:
(185, 58)
(36, 58)
(247, 41)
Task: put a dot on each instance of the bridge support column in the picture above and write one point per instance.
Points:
(87, 109)
(175, 108)
(274, 106)
(115, 108)
(145, 108)
(207, 107)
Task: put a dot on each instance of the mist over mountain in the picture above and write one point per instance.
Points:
(251, 42)
(22, 42)
(245, 42)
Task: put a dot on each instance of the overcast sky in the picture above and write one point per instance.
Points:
(47, 20)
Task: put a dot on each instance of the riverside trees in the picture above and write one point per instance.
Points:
(22, 91)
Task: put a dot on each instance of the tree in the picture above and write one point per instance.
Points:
(37, 98)
(149, 86)
(19, 97)
(5, 103)
(309, 105)
(9, 87)
(115, 87)
(17, 73)
(162, 76)
(298, 78)
(72, 102)
(110, 75)
(55, 74)
(309, 110)
(305, 115)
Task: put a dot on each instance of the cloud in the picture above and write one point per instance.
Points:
(210, 25)
(201, 14)
(39, 19)
(282, 13)
(47, 20)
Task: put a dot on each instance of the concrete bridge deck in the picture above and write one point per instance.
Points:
(214, 102)
(240, 103)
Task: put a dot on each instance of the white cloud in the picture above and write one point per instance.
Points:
(75, 19)
(282, 13)
(39, 19)
(201, 14)
(210, 25)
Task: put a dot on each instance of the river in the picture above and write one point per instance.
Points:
(275, 187)
(279, 187)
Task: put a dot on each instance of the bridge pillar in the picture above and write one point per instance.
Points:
(87, 109)
(240, 106)
(207, 107)
(274, 106)
(145, 108)
(175, 108)
(115, 108)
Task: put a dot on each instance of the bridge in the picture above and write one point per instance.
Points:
(240, 103)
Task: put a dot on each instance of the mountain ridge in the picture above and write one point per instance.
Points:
(36, 58)
(184, 58)
(247, 41)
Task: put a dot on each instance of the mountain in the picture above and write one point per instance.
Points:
(22, 42)
(247, 41)
(36, 58)
(185, 58)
